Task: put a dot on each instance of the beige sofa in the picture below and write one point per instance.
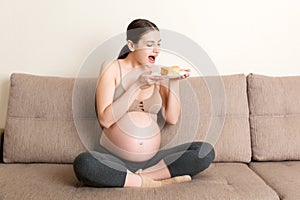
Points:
(255, 130)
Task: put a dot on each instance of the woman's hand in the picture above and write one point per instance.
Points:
(145, 80)
(184, 76)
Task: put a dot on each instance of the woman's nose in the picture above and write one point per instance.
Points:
(156, 49)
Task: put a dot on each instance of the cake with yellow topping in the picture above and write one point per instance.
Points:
(170, 71)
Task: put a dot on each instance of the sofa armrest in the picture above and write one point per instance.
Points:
(1, 144)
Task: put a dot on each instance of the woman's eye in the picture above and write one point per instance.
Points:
(151, 45)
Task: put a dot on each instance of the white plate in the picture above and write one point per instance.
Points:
(165, 76)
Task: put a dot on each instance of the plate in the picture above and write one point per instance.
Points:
(165, 76)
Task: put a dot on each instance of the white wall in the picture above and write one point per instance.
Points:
(54, 37)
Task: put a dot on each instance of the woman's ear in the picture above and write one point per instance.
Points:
(130, 45)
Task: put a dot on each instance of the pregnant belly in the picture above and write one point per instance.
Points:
(135, 137)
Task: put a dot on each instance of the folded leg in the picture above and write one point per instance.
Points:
(185, 159)
(100, 169)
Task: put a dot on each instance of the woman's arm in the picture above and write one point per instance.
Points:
(171, 101)
(108, 111)
(171, 98)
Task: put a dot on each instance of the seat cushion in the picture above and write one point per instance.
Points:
(284, 177)
(57, 181)
(36, 181)
(274, 104)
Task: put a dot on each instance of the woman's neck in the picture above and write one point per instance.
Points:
(130, 62)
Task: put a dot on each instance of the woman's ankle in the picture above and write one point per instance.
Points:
(132, 180)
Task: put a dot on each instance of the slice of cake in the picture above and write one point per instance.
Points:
(170, 71)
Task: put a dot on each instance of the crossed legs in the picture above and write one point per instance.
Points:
(105, 170)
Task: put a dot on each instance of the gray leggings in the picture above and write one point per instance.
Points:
(101, 168)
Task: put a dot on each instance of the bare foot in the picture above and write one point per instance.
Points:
(148, 182)
(176, 179)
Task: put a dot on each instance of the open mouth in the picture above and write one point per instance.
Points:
(151, 59)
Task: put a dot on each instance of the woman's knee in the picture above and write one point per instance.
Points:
(81, 163)
(205, 149)
(98, 170)
(206, 153)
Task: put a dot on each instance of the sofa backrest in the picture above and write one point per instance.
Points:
(44, 123)
(274, 104)
(39, 125)
(222, 121)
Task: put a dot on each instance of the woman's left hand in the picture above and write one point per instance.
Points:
(183, 76)
(186, 75)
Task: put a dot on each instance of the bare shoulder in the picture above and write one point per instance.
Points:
(108, 72)
(108, 66)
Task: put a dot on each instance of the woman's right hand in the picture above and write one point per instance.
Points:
(145, 80)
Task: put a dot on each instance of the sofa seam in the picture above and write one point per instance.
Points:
(247, 80)
(47, 119)
(276, 115)
(265, 181)
(55, 119)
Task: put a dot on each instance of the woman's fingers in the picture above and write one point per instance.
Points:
(146, 74)
(186, 70)
(147, 79)
(185, 75)
(150, 77)
(156, 78)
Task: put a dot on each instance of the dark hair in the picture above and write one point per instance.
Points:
(135, 30)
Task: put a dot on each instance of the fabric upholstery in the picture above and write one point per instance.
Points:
(57, 181)
(36, 181)
(40, 125)
(219, 181)
(274, 104)
(1, 144)
(214, 109)
(283, 177)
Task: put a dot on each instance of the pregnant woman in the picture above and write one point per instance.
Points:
(128, 99)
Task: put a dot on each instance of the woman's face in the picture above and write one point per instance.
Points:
(147, 48)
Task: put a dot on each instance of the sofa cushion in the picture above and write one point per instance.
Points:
(274, 104)
(40, 126)
(219, 181)
(284, 177)
(219, 115)
(57, 181)
(36, 181)
(44, 123)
